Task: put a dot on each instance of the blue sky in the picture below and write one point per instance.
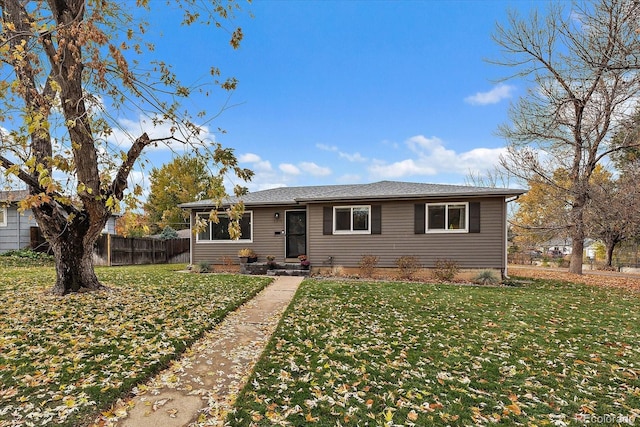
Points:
(335, 92)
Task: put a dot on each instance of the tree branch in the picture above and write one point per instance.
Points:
(120, 181)
(32, 182)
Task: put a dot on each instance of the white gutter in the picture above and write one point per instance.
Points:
(191, 237)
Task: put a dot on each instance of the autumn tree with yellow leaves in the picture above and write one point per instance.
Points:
(69, 67)
(184, 179)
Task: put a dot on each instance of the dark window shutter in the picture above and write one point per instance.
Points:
(376, 219)
(474, 217)
(419, 218)
(327, 220)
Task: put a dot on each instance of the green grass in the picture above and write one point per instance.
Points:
(62, 359)
(356, 354)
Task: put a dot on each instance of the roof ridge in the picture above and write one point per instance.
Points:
(13, 195)
(373, 190)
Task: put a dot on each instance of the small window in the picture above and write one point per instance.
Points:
(3, 216)
(220, 231)
(352, 219)
(447, 217)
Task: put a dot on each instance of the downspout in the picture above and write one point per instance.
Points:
(505, 274)
(191, 237)
(18, 222)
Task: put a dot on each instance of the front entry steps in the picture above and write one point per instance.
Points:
(262, 268)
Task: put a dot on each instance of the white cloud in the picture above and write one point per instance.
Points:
(289, 169)
(265, 176)
(349, 179)
(420, 142)
(495, 95)
(431, 157)
(325, 147)
(479, 157)
(267, 186)
(400, 169)
(355, 157)
(257, 164)
(313, 169)
(248, 158)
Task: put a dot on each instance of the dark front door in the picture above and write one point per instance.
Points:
(296, 232)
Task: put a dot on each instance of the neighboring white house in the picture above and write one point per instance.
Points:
(562, 247)
(15, 226)
(557, 247)
(590, 248)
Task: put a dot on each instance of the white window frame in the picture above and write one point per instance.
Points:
(220, 241)
(446, 218)
(351, 230)
(4, 211)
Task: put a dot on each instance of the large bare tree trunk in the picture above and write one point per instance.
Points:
(575, 264)
(609, 256)
(577, 236)
(74, 266)
(610, 245)
(71, 239)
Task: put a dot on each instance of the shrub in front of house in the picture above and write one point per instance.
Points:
(368, 264)
(486, 277)
(202, 267)
(408, 266)
(445, 270)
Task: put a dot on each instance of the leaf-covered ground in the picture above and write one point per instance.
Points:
(357, 354)
(63, 359)
(630, 282)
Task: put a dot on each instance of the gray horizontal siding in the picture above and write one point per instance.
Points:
(470, 250)
(265, 241)
(16, 234)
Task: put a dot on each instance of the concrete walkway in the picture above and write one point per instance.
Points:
(200, 388)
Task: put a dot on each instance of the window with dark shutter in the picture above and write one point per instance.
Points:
(474, 217)
(376, 219)
(419, 218)
(327, 220)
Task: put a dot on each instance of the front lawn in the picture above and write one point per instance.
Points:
(64, 358)
(356, 354)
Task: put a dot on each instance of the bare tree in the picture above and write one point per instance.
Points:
(613, 211)
(68, 68)
(491, 178)
(582, 62)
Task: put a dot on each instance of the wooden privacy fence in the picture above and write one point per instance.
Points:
(117, 250)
